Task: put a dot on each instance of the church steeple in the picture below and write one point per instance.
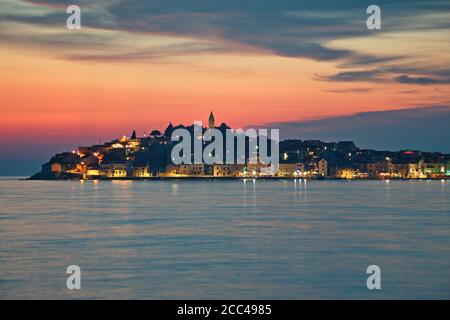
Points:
(211, 120)
(169, 130)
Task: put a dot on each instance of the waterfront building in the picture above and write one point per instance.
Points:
(141, 172)
(291, 169)
(184, 170)
(228, 170)
(346, 173)
(258, 170)
(322, 167)
(435, 168)
(407, 168)
(374, 169)
(114, 170)
(92, 173)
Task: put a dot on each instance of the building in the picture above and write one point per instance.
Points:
(346, 173)
(228, 170)
(374, 169)
(416, 169)
(184, 170)
(290, 169)
(400, 169)
(258, 169)
(435, 168)
(322, 168)
(211, 121)
(93, 171)
(141, 172)
(114, 170)
(407, 169)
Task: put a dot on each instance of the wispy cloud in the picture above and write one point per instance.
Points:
(424, 128)
(296, 29)
(351, 90)
(390, 75)
(421, 80)
(353, 76)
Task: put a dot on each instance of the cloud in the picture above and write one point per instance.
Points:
(421, 80)
(365, 60)
(282, 27)
(288, 28)
(353, 76)
(386, 75)
(408, 91)
(424, 128)
(351, 90)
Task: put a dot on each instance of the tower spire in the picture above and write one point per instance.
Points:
(211, 120)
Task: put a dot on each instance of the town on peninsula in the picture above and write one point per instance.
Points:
(149, 157)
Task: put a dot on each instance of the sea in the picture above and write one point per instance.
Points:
(233, 239)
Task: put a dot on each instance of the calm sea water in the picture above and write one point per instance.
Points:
(224, 239)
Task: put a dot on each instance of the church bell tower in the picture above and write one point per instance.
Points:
(211, 121)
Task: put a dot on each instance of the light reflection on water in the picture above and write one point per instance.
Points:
(224, 239)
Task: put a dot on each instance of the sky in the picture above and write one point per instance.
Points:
(311, 68)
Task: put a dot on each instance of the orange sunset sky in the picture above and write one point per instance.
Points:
(138, 65)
